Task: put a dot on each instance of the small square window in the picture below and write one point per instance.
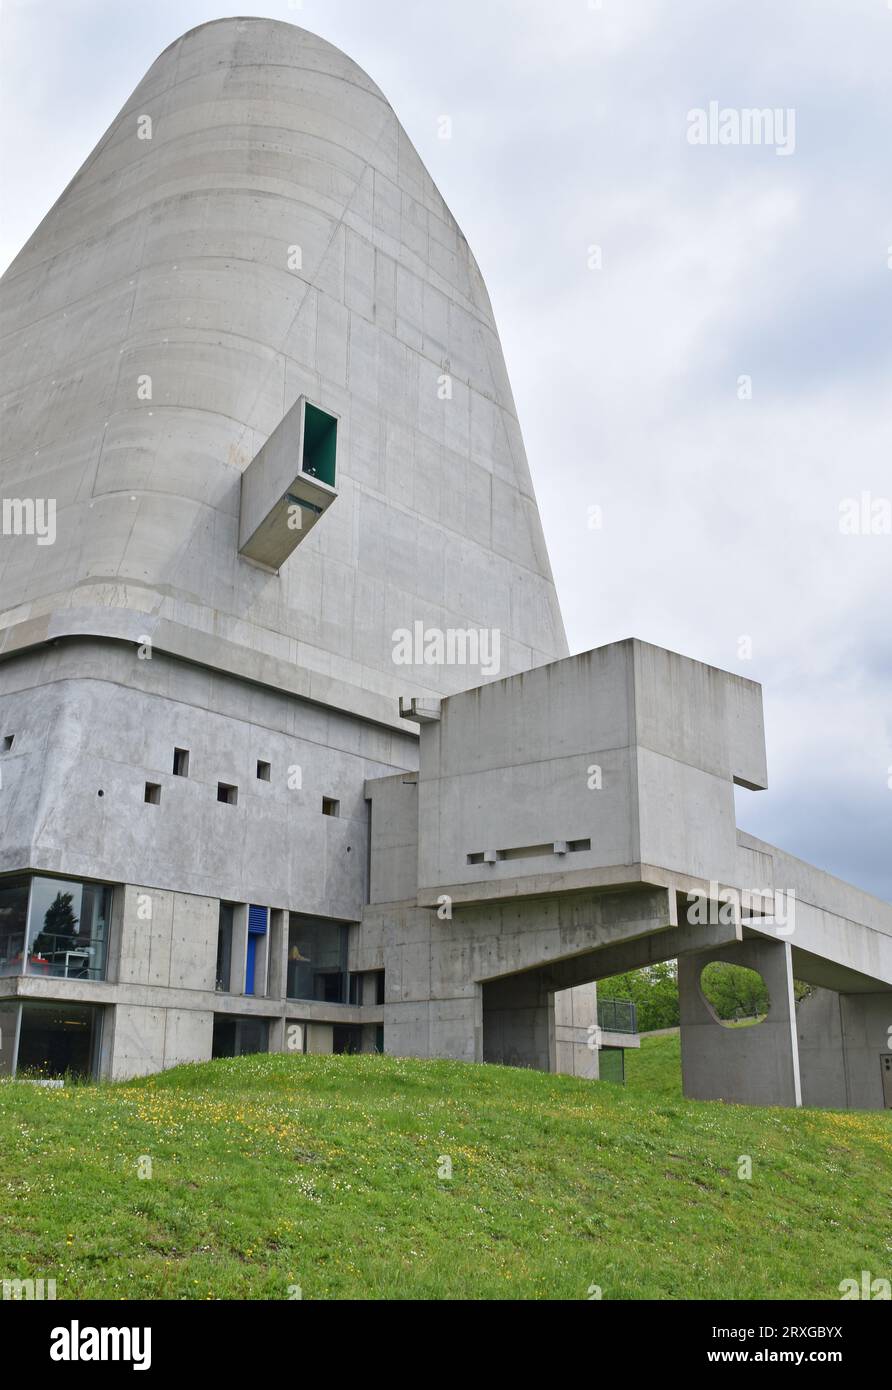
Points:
(181, 762)
(330, 807)
(153, 793)
(263, 771)
(227, 793)
(8, 741)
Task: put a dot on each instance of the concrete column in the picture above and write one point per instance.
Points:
(756, 1065)
(277, 1041)
(575, 1025)
(369, 999)
(278, 953)
(845, 1050)
(239, 948)
(369, 996)
(320, 1037)
(518, 1022)
(9, 1029)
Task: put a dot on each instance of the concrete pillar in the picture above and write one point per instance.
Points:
(277, 1040)
(278, 954)
(518, 1021)
(9, 1028)
(756, 1065)
(576, 1031)
(239, 948)
(368, 997)
(369, 990)
(845, 1050)
(320, 1037)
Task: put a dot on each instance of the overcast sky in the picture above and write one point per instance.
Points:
(720, 513)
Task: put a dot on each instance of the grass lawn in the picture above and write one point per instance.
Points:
(276, 1171)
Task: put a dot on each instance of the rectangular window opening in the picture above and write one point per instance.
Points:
(319, 444)
(58, 1041)
(181, 762)
(227, 793)
(8, 741)
(153, 793)
(239, 1037)
(317, 959)
(263, 771)
(529, 851)
(346, 1038)
(330, 807)
(60, 928)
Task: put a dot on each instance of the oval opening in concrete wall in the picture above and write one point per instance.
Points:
(737, 996)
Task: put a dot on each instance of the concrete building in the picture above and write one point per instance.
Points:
(292, 751)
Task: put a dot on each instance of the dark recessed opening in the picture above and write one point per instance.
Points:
(320, 444)
(153, 793)
(330, 807)
(181, 762)
(263, 771)
(227, 793)
(8, 741)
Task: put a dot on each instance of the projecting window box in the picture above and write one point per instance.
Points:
(289, 484)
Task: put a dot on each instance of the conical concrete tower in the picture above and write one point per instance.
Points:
(255, 227)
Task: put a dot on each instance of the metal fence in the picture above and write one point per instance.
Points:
(617, 1016)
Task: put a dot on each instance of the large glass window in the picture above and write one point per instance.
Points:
(346, 1037)
(58, 1040)
(317, 959)
(68, 929)
(48, 1041)
(238, 1037)
(13, 924)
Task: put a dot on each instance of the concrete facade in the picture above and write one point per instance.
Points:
(314, 724)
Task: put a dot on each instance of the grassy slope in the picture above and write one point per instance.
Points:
(322, 1172)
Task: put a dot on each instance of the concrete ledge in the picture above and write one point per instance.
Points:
(619, 1039)
(205, 649)
(106, 992)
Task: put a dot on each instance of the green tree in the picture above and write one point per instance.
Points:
(734, 991)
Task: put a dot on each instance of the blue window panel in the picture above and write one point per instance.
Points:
(258, 918)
